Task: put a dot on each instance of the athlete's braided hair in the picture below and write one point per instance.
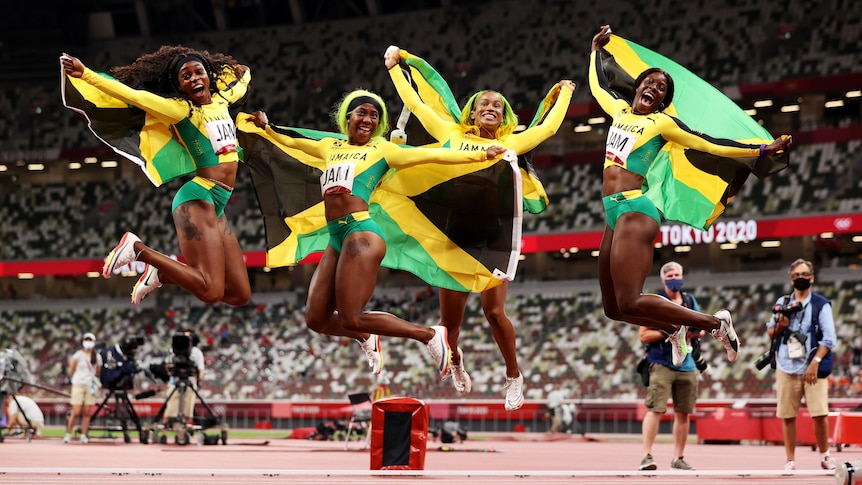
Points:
(156, 71)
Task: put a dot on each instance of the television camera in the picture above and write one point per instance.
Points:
(118, 364)
(178, 370)
(115, 412)
(785, 309)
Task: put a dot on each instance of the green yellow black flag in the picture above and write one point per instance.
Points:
(435, 93)
(129, 131)
(427, 232)
(687, 185)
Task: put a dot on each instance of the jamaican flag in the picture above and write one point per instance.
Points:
(131, 131)
(687, 185)
(463, 247)
(436, 94)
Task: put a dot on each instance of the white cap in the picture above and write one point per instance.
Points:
(90, 336)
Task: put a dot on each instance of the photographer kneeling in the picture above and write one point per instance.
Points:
(185, 365)
(803, 333)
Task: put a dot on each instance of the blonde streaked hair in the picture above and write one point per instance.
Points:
(341, 113)
(507, 126)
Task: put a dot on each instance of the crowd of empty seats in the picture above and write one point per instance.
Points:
(300, 70)
(40, 220)
(264, 350)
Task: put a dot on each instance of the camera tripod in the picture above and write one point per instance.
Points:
(181, 426)
(122, 411)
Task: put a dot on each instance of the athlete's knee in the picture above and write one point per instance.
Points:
(496, 316)
(315, 321)
(211, 295)
(238, 298)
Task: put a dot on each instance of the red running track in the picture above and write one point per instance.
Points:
(522, 458)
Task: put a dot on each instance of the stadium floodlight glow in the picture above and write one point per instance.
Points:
(657, 245)
(567, 255)
(751, 112)
(597, 120)
(109, 163)
(790, 108)
(763, 103)
(93, 274)
(827, 235)
(583, 128)
(35, 167)
(728, 246)
(853, 94)
(89, 160)
(834, 104)
(770, 244)
(267, 269)
(595, 253)
(682, 249)
(522, 257)
(74, 165)
(520, 127)
(26, 276)
(573, 250)
(3, 168)
(857, 239)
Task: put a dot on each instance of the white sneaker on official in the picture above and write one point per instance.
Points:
(371, 346)
(727, 335)
(67, 438)
(460, 378)
(122, 254)
(148, 282)
(514, 390)
(439, 348)
(678, 345)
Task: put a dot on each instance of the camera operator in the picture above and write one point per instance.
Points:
(667, 380)
(188, 367)
(803, 332)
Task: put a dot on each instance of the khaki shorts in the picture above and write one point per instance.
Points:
(82, 394)
(791, 389)
(173, 405)
(665, 383)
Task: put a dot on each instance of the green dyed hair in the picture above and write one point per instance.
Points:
(340, 114)
(508, 125)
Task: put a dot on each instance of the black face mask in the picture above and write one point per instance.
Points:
(802, 284)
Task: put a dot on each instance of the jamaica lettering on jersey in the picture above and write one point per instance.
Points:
(157, 133)
(689, 176)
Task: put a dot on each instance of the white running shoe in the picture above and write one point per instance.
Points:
(679, 349)
(67, 438)
(372, 350)
(727, 335)
(514, 389)
(148, 282)
(790, 465)
(122, 254)
(85, 439)
(460, 378)
(439, 348)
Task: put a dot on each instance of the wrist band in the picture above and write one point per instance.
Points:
(762, 149)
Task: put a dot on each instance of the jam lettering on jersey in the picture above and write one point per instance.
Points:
(338, 178)
(470, 147)
(620, 143)
(222, 135)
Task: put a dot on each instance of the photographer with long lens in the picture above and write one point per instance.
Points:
(803, 331)
(671, 376)
(185, 365)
